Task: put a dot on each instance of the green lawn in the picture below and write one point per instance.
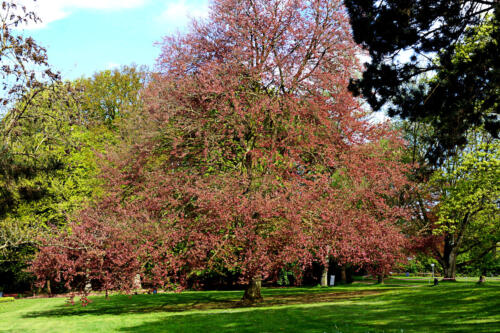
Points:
(397, 306)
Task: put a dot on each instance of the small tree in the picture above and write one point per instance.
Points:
(97, 251)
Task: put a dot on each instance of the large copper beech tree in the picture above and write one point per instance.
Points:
(260, 157)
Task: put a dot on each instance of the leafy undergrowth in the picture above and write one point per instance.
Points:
(394, 307)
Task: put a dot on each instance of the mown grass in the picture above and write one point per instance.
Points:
(397, 306)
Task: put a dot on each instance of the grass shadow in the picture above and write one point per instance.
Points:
(188, 301)
(448, 309)
(393, 307)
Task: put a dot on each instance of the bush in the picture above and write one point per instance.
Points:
(6, 299)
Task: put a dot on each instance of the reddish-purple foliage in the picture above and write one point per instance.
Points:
(260, 158)
(100, 249)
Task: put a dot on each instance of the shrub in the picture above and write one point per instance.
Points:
(6, 299)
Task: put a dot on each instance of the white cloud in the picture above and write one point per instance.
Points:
(179, 12)
(112, 65)
(53, 10)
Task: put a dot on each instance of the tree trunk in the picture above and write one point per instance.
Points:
(380, 279)
(449, 259)
(324, 276)
(253, 292)
(343, 274)
(450, 268)
(137, 281)
(49, 290)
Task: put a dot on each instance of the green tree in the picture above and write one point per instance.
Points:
(48, 166)
(447, 219)
(111, 94)
(467, 189)
(405, 37)
(48, 163)
(455, 205)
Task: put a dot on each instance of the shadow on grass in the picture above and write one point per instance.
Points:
(457, 307)
(127, 304)
(447, 309)
(182, 302)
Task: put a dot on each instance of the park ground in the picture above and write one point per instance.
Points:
(400, 305)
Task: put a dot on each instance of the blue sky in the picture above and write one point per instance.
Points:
(85, 36)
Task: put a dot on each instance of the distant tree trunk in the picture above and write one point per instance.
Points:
(324, 275)
(49, 289)
(449, 261)
(449, 269)
(343, 274)
(253, 292)
(88, 286)
(349, 278)
(137, 281)
(380, 278)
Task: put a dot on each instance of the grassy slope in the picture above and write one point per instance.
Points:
(452, 307)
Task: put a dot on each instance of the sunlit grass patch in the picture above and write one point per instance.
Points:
(457, 307)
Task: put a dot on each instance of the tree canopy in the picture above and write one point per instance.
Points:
(455, 217)
(467, 189)
(258, 156)
(455, 42)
